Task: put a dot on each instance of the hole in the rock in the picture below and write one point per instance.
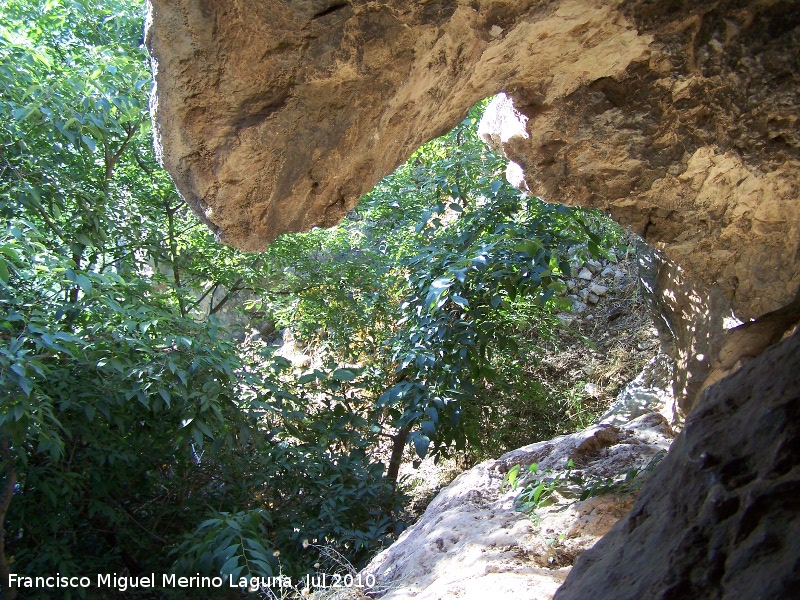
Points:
(486, 318)
(169, 405)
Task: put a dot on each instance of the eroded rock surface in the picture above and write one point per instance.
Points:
(718, 516)
(278, 116)
(472, 543)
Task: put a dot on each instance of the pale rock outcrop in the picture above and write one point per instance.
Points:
(472, 543)
(651, 390)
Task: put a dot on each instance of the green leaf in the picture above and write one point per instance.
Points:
(529, 247)
(230, 566)
(344, 375)
(308, 377)
(512, 475)
(197, 434)
(462, 302)
(25, 385)
(21, 114)
(204, 428)
(89, 143)
(421, 445)
(265, 570)
(84, 283)
(437, 290)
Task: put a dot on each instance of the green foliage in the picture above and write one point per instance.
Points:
(441, 282)
(484, 251)
(570, 483)
(131, 428)
(135, 436)
(539, 492)
(231, 544)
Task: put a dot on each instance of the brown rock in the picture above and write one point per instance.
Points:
(718, 517)
(278, 116)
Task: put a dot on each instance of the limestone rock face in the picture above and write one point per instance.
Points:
(277, 116)
(718, 516)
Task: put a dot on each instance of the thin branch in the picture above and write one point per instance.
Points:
(142, 527)
(210, 290)
(231, 293)
(141, 164)
(112, 159)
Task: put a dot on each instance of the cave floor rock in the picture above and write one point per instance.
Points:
(473, 543)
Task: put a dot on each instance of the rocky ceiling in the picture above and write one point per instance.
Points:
(681, 118)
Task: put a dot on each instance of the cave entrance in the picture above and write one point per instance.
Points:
(489, 318)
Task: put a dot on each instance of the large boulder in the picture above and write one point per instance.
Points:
(277, 116)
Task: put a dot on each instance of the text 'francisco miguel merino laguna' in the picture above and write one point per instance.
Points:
(123, 583)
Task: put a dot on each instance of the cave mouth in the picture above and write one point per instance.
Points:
(465, 241)
(459, 316)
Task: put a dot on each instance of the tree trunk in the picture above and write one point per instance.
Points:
(398, 446)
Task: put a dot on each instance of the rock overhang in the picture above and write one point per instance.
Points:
(678, 118)
(276, 117)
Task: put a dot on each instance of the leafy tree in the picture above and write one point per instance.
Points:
(432, 282)
(482, 246)
(128, 420)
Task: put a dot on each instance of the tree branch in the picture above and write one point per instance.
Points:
(112, 159)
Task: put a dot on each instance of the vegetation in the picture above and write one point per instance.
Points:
(571, 483)
(135, 435)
